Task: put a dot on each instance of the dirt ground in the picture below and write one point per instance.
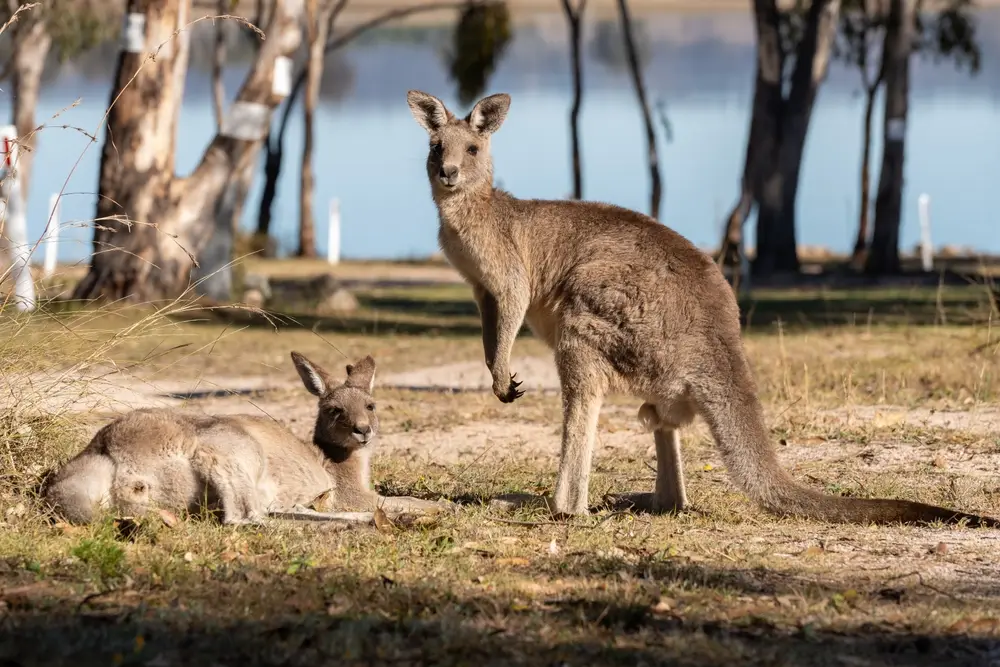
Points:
(864, 409)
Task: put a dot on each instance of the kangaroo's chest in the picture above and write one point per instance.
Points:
(465, 251)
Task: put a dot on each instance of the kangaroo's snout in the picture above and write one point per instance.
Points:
(448, 175)
(362, 433)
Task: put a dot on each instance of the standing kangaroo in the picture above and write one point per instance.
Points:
(248, 465)
(626, 304)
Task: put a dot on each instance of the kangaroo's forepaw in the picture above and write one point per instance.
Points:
(511, 393)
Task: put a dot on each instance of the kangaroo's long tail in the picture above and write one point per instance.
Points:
(735, 417)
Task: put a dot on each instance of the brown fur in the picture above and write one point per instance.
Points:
(626, 304)
(246, 465)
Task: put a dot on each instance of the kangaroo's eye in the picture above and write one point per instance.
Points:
(371, 407)
(472, 150)
(436, 147)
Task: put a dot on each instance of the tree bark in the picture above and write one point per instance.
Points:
(218, 63)
(873, 17)
(656, 183)
(31, 44)
(864, 206)
(763, 135)
(137, 160)
(574, 15)
(274, 153)
(776, 220)
(154, 261)
(213, 274)
(318, 23)
(883, 256)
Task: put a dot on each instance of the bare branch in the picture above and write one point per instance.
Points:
(218, 61)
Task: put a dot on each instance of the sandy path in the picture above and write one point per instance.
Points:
(504, 439)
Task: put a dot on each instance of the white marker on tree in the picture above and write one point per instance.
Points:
(134, 33)
(281, 83)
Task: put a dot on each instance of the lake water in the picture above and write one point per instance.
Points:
(370, 152)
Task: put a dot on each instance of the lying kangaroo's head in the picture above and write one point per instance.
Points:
(346, 419)
(459, 157)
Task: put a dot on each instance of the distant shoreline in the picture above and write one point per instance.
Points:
(361, 10)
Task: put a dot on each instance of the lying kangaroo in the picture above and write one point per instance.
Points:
(627, 304)
(246, 464)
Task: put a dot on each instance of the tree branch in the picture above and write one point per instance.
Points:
(640, 91)
(218, 61)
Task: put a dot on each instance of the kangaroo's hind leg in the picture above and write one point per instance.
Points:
(669, 493)
(234, 474)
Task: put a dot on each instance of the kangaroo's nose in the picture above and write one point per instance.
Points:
(448, 172)
(363, 429)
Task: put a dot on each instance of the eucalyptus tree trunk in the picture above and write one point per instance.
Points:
(157, 223)
(31, 45)
(778, 128)
(883, 256)
(318, 22)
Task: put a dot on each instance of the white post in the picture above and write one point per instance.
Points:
(14, 221)
(926, 250)
(51, 237)
(333, 233)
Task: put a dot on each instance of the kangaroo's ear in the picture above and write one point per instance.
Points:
(428, 110)
(361, 374)
(489, 113)
(316, 380)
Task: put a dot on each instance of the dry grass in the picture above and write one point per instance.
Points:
(720, 584)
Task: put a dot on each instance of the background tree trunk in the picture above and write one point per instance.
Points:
(776, 228)
(318, 24)
(864, 206)
(764, 116)
(137, 161)
(218, 63)
(31, 44)
(574, 15)
(883, 257)
(213, 273)
(274, 153)
(656, 183)
(143, 262)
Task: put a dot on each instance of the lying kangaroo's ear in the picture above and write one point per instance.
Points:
(361, 374)
(489, 113)
(313, 377)
(428, 110)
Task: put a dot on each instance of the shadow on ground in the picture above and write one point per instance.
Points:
(331, 616)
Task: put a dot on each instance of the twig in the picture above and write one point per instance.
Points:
(920, 579)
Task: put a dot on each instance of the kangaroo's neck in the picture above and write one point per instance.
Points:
(466, 210)
(350, 470)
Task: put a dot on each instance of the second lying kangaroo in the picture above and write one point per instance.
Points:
(248, 465)
(627, 304)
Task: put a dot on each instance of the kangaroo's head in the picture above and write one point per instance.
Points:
(459, 157)
(346, 420)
